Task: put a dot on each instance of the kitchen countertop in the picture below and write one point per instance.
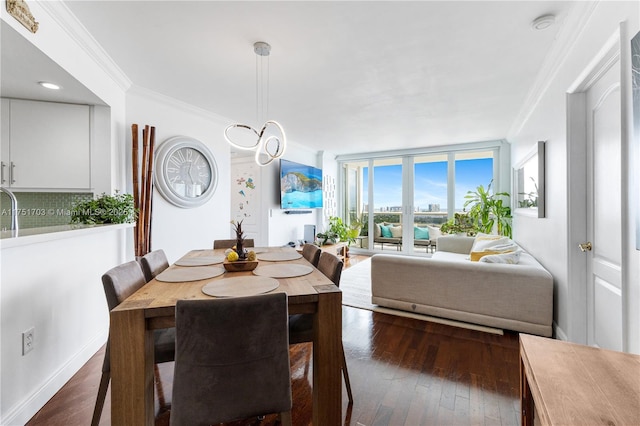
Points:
(50, 233)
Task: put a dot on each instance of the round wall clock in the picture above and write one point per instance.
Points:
(186, 173)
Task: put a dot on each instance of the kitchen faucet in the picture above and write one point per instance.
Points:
(14, 208)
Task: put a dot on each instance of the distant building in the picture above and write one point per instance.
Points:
(433, 207)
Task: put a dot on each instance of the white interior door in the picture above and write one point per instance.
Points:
(604, 214)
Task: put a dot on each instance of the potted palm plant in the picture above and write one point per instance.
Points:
(489, 211)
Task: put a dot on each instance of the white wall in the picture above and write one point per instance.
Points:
(548, 121)
(63, 297)
(174, 229)
(282, 227)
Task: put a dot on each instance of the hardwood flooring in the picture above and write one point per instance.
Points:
(403, 372)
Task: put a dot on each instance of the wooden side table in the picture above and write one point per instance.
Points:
(569, 384)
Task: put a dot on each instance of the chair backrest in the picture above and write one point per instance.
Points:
(232, 359)
(311, 252)
(225, 244)
(121, 282)
(153, 263)
(331, 266)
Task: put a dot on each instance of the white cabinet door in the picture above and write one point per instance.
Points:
(49, 145)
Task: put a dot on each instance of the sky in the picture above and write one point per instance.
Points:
(430, 182)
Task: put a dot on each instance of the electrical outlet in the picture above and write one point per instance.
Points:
(27, 341)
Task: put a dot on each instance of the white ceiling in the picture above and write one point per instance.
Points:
(346, 77)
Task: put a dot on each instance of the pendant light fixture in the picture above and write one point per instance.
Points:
(270, 141)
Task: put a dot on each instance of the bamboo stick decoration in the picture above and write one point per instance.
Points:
(143, 186)
(136, 189)
(149, 190)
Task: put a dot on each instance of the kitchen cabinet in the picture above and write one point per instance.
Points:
(45, 145)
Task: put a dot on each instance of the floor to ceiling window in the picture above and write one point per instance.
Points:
(398, 197)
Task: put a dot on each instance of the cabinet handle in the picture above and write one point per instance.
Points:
(11, 173)
(2, 179)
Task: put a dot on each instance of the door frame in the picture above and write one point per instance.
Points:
(577, 186)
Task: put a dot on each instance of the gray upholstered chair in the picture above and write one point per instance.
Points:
(301, 325)
(225, 244)
(153, 263)
(311, 252)
(232, 360)
(119, 283)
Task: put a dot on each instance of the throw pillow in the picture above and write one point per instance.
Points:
(510, 258)
(377, 232)
(434, 232)
(420, 233)
(396, 231)
(508, 247)
(484, 241)
(386, 231)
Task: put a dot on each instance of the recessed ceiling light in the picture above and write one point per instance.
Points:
(543, 22)
(49, 85)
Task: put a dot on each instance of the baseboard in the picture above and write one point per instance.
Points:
(559, 333)
(22, 412)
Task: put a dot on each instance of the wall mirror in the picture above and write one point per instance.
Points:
(529, 183)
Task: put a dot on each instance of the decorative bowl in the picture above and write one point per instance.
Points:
(240, 265)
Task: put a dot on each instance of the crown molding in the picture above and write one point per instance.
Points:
(154, 96)
(571, 29)
(61, 14)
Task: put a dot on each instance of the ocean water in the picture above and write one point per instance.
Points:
(301, 200)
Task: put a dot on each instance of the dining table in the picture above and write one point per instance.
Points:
(153, 307)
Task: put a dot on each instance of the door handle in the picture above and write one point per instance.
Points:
(584, 247)
(2, 179)
(11, 173)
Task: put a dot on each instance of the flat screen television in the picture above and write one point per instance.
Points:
(300, 186)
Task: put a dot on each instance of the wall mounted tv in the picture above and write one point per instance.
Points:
(300, 186)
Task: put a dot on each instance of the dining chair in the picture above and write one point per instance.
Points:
(225, 244)
(311, 252)
(232, 360)
(153, 263)
(119, 283)
(301, 325)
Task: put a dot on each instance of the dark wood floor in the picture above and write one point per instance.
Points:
(403, 372)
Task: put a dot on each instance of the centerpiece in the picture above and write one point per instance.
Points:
(237, 258)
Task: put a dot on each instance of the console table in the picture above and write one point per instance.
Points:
(564, 383)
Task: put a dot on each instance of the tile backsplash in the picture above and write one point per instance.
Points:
(38, 209)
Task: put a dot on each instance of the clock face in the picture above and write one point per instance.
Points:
(186, 173)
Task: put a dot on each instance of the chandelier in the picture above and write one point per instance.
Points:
(270, 141)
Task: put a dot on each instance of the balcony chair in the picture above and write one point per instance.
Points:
(232, 360)
(301, 325)
(119, 283)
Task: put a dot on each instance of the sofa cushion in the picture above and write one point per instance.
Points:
(434, 232)
(420, 233)
(484, 241)
(386, 231)
(396, 231)
(377, 230)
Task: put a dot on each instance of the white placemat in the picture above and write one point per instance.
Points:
(283, 270)
(200, 260)
(275, 256)
(176, 275)
(240, 286)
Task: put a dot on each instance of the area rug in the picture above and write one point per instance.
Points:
(355, 284)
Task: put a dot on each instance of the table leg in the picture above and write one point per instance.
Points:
(526, 399)
(131, 346)
(327, 378)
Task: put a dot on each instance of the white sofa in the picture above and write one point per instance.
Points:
(509, 296)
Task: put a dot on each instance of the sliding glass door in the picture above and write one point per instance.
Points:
(402, 200)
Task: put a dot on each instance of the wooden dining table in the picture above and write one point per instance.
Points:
(153, 307)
